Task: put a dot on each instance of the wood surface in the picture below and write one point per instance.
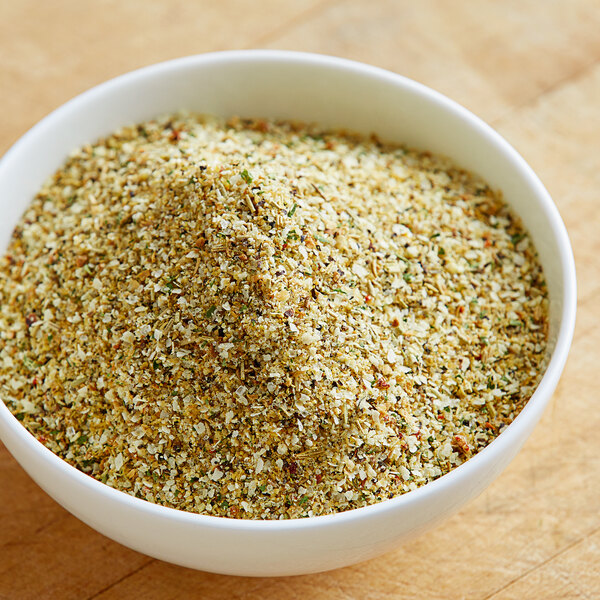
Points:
(531, 68)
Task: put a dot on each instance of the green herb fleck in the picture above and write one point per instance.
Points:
(29, 364)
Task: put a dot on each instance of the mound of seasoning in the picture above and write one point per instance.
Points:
(262, 320)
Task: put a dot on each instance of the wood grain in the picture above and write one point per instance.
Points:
(51, 51)
(490, 56)
(531, 68)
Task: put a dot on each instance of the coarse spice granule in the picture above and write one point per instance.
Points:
(264, 320)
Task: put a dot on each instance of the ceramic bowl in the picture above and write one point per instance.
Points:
(333, 93)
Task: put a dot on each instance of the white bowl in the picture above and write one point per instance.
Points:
(333, 93)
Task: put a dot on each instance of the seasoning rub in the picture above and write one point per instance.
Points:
(263, 320)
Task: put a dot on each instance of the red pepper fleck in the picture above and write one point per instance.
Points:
(30, 319)
(175, 135)
(261, 125)
(461, 444)
(81, 260)
(291, 466)
(368, 298)
(382, 384)
(318, 477)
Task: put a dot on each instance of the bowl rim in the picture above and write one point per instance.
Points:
(513, 432)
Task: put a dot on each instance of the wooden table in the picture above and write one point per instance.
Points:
(531, 68)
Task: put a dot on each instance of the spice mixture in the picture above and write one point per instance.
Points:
(261, 320)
